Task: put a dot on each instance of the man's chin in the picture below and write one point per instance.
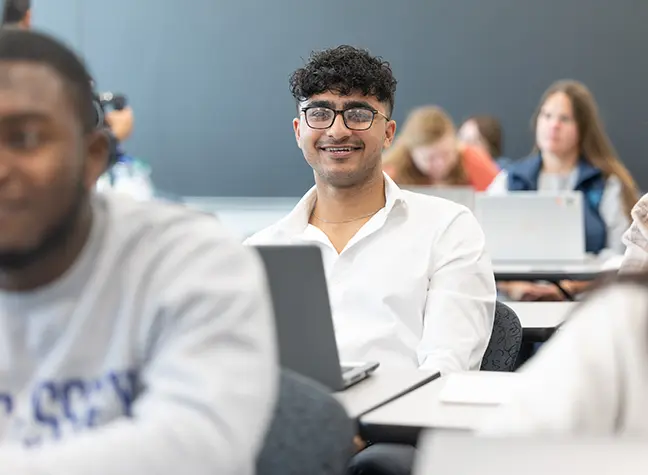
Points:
(346, 178)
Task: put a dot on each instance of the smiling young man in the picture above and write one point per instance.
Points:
(409, 281)
(135, 338)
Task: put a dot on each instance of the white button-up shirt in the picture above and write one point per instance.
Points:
(413, 288)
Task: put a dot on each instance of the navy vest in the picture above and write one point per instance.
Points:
(523, 176)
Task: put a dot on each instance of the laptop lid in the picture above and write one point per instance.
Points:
(444, 453)
(463, 195)
(533, 227)
(305, 333)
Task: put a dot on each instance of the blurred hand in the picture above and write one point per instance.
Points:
(533, 292)
(359, 444)
(121, 122)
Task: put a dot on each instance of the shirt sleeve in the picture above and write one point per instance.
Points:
(460, 304)
(636, 239)
(577, 382)
(614, 215)
(208, 378)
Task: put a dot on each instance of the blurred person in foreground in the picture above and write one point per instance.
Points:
(135, 337)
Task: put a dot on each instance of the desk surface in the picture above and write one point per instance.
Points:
(541, 271)
(541, 315)
(423, 408)
(382, 386)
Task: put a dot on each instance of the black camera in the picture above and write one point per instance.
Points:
(102, 101)
(105, 100)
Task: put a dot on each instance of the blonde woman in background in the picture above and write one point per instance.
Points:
(573, 152)
(427, 152)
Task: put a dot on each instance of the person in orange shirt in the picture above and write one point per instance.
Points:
(427, 152)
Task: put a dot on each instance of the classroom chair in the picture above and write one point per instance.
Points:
(310, 433)
(506, 340)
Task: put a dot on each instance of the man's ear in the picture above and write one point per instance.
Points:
(390, 133)
(97, 151)
(297, 129)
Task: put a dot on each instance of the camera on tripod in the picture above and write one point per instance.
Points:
(105, 100)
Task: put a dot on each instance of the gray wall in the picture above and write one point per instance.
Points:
(209, 82)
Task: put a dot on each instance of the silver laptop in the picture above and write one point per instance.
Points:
(444, 453)
(540, 229)
(303, 317)
(463, 195)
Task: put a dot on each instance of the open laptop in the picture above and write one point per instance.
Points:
(539, 230)
(463, 195)
(444, 453)
(303, 317)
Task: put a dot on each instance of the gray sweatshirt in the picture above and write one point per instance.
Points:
(154, 354)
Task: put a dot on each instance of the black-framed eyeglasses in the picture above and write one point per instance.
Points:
(355, 118)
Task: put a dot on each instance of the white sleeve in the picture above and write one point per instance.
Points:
(614, 215)
(578, 380)
(460, 304)
(208, 382)
(636, 239)
(499, 184)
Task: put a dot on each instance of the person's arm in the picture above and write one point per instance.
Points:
(208, 375)
(577, 382)
(460, 305)
(615, 217)
(480, 168)
(636, 239)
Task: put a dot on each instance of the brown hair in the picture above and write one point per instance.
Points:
(424, 126)
(594, 144)
(490, 129)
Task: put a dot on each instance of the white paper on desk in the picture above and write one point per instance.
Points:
(479, 388)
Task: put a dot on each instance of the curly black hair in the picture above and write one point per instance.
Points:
(344, 70)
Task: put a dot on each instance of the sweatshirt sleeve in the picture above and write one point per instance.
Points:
(208, 379)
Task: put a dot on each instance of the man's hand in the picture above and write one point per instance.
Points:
(359, 444)
(532, 292)
(121, 122)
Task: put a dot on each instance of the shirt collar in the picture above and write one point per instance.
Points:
(297, 220)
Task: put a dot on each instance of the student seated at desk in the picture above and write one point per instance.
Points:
(427, 152)
(592, 377)
(135, 338)
(409, 282)
(573, 153)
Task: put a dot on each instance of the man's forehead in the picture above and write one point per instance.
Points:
(340, 100)
(30, 81)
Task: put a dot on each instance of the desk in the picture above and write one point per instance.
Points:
(401, 420)
(384, 385)
(244, 216)
(541, 315)
(545, 272)
(540, 320)
(527, 272)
